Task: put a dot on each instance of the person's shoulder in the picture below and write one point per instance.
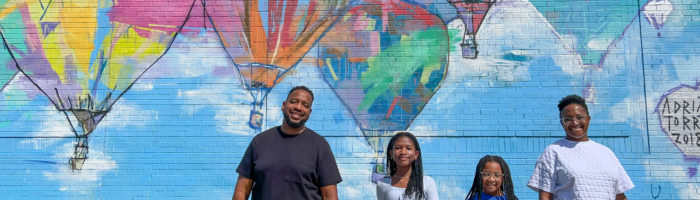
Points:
(559, 144)
(385, 181)
(274, 131)
(311, 134)
(600, 147)
(428, 179)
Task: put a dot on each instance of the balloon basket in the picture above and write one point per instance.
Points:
(256, 119)
(80, 154)
(469, 49)
(378, 173)
(77, 163)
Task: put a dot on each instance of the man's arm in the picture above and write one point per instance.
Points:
(620, 196)
(329, 192)
(243, 187)
(544, 195)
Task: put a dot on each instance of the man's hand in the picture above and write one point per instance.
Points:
(243, 187)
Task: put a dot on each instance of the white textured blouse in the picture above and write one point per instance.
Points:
(387, 192)
(579, 170)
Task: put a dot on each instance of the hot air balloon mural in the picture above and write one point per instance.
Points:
(84, 55)
(472, 13)
(656, 12)
(266, 39)
(384, 60)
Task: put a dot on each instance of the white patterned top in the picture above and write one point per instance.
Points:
(579, 170)
(387, 192)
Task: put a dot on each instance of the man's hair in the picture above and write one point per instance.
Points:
(572, 99)
(301, 87)
(506, 184)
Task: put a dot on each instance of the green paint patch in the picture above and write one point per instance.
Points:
(456, 36)
(395, 65)
(513, 57)
(13, 31)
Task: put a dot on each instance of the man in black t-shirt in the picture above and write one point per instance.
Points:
(289, 161)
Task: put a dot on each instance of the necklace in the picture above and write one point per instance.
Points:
(401, 177)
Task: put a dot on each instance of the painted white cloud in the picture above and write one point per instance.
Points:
(628, 111)
(232, 107)
(600, 44)
(126, 113)
(85, 180)
(54, 127)
(499, 26)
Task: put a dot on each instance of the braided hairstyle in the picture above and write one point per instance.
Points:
(414, 188)
(507, 185)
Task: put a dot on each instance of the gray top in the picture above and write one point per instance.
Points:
(387, 192)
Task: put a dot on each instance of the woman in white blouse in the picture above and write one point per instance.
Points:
(576, 167)
(405, 180)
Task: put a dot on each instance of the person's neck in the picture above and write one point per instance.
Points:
(288, 130)
(403, 172)
(582, 139)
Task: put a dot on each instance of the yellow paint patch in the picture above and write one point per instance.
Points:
(129, 49)
(330, 68)
(79, 24)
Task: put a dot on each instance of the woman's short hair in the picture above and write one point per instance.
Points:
(572, 99)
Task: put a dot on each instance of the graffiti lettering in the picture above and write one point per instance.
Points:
(679, 113)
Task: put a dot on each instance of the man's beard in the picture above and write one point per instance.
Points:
(292, 124)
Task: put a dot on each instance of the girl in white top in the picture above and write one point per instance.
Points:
(405, 166)
(576, 167)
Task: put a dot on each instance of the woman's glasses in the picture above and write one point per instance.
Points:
(577, 118)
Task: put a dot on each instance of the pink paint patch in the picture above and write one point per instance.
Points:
(160, 15)
(375, 44)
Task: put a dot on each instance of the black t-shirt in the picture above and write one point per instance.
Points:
(289, 166)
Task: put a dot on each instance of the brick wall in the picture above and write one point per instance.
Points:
(179, 88)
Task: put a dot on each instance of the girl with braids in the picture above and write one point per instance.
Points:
(405, 180)
(492, 180)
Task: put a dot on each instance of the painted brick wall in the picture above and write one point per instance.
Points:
(135, 99)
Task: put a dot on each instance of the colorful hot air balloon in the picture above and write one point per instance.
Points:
(267, 38)
(384, 60)
(83, 55)
(472, 13)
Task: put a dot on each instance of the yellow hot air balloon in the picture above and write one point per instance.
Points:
(83, 55)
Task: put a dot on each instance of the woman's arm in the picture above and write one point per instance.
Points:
(544, 195)
(620, 196)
